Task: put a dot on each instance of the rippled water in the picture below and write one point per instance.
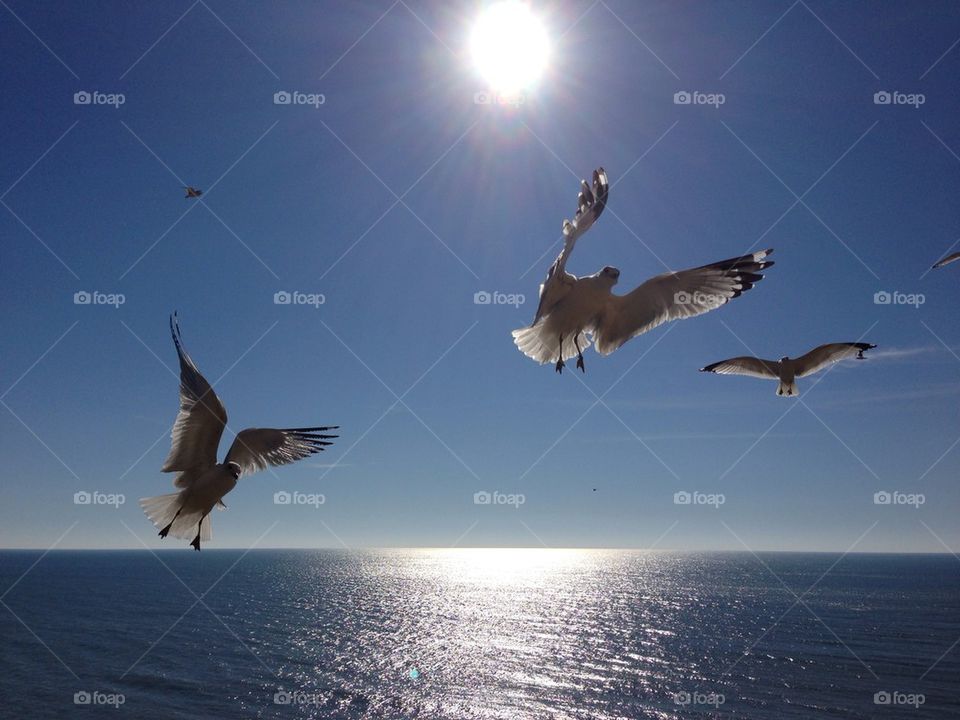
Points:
(512, 634)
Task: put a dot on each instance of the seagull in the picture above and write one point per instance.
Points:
(946, 261)
(193, 454)
(575, 312)
(786, 369)
(192, 192)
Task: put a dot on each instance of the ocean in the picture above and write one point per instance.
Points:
(478, 634)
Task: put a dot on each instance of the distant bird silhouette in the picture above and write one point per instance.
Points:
(786, 370)
(576, 311)
(193, 454)
(192, 192)
(946, 261)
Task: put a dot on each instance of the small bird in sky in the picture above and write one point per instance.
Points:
(946, 261)
(193, 454)
(575, 312)
(192, 192)
(786, 369)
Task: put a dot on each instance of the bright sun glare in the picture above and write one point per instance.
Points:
(509, 46)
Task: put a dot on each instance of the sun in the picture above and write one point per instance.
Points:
(509, 47)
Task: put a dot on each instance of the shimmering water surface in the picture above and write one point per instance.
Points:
(512, 634)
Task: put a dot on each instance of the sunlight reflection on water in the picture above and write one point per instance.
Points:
(482, 634)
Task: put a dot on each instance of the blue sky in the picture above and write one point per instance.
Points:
(302, 198)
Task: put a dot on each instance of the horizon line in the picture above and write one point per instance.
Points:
(367, 548)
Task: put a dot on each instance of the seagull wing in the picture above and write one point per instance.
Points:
(675, 296)
(946, 261)
(819, 358)
(199, 424)
(255, 448)
(751, 366)
(590, 204)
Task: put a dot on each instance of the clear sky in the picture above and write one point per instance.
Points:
(399, 197)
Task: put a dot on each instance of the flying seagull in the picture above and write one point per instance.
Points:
(193, 454)
(786, 369)
(575, 312)
(946, 261)
(192, 192)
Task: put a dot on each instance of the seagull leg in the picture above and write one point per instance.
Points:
(196, 541)
(560, 362)
(163, 533)
(579, 354)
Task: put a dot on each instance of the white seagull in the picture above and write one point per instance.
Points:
(576, 311)
(786, 369)
(193, 454)
(946, 261)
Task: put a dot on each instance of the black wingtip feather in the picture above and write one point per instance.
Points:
(862, 348)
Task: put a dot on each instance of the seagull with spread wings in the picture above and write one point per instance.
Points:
(193, 455)
(786, 369)
(946, 261)
(575, 312)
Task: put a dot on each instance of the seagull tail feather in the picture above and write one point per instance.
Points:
(789, 389)
(161, 509)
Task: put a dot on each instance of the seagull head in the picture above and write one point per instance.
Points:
(610, 274)
(234, 469)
